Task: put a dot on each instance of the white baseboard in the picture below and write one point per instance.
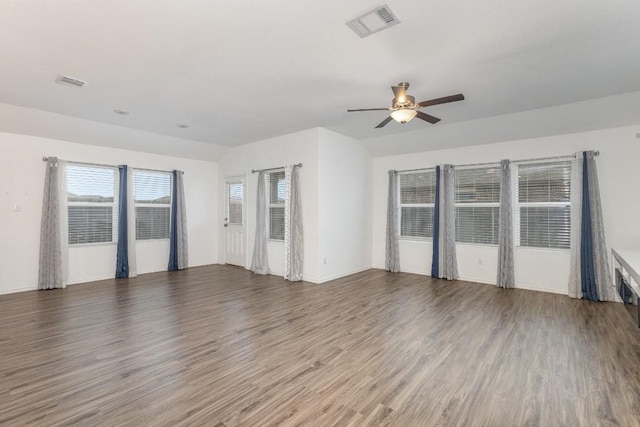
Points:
(339, 275)
(16, 290)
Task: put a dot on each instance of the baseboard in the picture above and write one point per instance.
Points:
(340, 275)
(15, 291)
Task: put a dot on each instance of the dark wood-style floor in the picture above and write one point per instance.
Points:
(218, 346)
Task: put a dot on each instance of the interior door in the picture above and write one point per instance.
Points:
(235, 222)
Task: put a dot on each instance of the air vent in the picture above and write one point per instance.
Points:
(371, 22)
(70, 81)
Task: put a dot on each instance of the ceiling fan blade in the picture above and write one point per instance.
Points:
(427, 117)
(367, 109)
(384, 122)
(400, 93)
(452, 98)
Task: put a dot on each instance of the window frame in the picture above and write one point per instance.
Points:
(114, 205)
(414, 205)
(517, 205)
(137, 204)
(493, 205)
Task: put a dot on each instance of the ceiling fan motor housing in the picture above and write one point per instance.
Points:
(409, 103)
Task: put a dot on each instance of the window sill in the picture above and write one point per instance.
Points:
(536, 249)
(89, 245)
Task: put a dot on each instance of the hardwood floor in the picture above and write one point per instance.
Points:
(218, 346)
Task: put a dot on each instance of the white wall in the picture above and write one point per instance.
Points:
(276, 152)
(545, 270)
(22, 185)
(345, 206)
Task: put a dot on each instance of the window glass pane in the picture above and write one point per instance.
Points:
(544, 182)
(90, 224)
(417, 187)
(480, 185)
(276, 187)
(545, 226)
(152, 222)
(276, 223)
(235, 197)
(416, 221)
(90, 184)
(477, 224)
(152, 187)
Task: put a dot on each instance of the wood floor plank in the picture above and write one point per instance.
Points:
(219, 346)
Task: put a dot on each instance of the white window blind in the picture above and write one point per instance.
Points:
(477, 203)
(275, 204)
(544, 205)
(417, 197)
(92, 203)
(152, 195)
(235, 195)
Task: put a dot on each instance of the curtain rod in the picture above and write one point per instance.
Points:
(570, 156)
(45, 159)
(272, 169)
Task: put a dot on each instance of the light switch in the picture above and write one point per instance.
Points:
(17, 207)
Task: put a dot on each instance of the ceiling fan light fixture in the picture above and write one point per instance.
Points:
(403, 116)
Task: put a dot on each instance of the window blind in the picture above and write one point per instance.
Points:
(235, 195)
(544, 205)
(92, 204)
(275, 198)
(417, 197)
(477, 205)
(152, 196)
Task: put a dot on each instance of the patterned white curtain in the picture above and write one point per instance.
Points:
(260, 259)
(506, 275)
(392, 251)
(293, 236)
(447, 244)
(54, 235)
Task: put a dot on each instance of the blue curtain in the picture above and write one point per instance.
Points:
(587, 268)
(435, 260)
(122, 259)
(173, 236)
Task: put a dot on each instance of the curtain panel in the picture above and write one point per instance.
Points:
(54, 236)
(392, 252)
(178, 239)
(260, 260)
(293, 236)
(590, 276)
(444, 264)
(506, 274)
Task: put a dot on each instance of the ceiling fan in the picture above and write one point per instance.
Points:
(404, 107)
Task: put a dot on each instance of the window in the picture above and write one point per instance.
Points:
(544, 205)
(92, 204)
(477, 203)
(152, 196)
(235, 194)
(417, 196)
(275, 199)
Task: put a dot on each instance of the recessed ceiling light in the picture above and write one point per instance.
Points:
(121, 112)
(182, 125)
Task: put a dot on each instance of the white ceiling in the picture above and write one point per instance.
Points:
(238, 72)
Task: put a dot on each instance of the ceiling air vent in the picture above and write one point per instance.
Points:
(373, 21)
(70, 81)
